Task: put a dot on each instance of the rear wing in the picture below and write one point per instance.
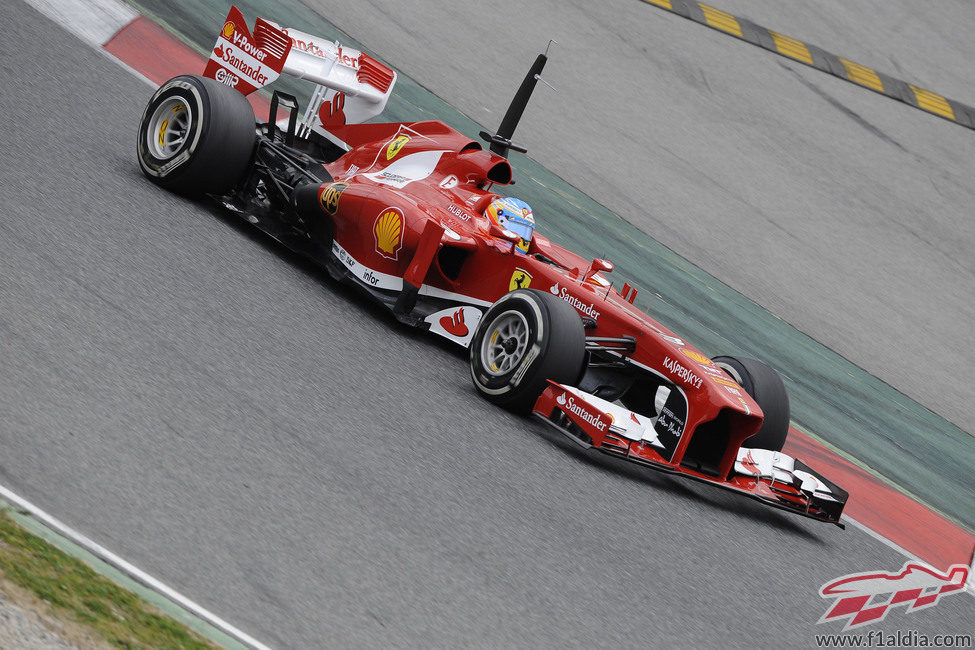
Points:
(351, 86)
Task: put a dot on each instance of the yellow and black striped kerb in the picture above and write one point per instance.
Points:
(821, 60)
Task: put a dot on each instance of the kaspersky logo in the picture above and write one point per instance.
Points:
(865, 598)
(586, 309)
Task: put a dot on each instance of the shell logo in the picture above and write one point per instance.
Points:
(725, 382)
(697, 356)
(744, 405)
(228, 30)
(395, 146)
(389, 233)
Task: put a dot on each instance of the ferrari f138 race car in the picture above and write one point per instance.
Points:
(409, 213)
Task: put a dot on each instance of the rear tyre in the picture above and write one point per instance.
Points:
(196, 136)
(525, 338)
(765, 386)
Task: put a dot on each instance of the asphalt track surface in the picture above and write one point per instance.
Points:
(228, 419)
(842, 212)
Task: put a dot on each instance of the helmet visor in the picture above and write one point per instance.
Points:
(520, 226)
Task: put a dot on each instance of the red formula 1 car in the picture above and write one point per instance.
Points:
(399, 210)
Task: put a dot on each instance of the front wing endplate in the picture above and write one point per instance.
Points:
(773, 478)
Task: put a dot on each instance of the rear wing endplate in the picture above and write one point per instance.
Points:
(351, 86)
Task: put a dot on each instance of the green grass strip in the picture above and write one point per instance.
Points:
(77, 593)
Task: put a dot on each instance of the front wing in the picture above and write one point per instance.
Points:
(771, 477)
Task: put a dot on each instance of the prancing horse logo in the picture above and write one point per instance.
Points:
(520, 279)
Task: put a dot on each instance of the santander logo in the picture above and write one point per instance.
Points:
(308, 46)
(454, 324)
(587, 309)
(569, 403)
(346, 59)
(227, 55)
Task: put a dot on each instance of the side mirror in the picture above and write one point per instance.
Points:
(601, 265)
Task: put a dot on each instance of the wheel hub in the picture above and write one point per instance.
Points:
(169, 127)
(506, 343)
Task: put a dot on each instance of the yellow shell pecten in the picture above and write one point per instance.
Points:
(389, 232)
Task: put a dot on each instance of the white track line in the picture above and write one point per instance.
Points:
(93, 21)
(131, 570)
(969, 584)
(880, 538)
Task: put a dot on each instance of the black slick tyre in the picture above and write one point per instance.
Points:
(765, 386)
(525, 338)
(196, 136)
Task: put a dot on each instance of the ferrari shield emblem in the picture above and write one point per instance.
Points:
(395, 146)
(520, 279)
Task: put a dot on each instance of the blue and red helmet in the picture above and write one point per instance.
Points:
(514, 215)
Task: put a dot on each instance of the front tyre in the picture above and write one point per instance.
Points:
(765, 386)
(524, 339)
(196, 136)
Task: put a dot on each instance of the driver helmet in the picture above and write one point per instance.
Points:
(514, 215)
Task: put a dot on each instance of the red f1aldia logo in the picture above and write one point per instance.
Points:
(865, 598)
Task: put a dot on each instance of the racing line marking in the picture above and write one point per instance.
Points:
(821, 60)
